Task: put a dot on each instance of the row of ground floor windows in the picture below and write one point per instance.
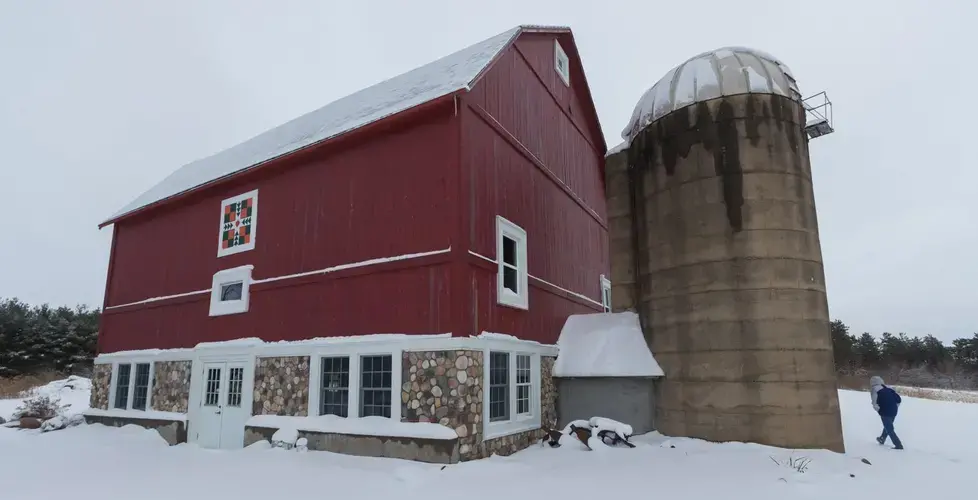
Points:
(375, 388)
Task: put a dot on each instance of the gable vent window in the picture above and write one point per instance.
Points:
(512, 281)
(230, 289)
(561, 63)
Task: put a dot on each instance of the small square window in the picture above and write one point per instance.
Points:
(229, 291)
(561, 63)
(512, 281)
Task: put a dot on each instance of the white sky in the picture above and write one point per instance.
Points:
(99, 100)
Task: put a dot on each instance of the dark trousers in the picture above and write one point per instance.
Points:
(889, 432)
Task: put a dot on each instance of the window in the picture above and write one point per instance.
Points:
(375, 386)
(132, 391)
(235, 384)
(230, 290)
(140, 391)
(523, 384)
(498, 386)
(335, 384)
(605, 294)
(239, 224)
(512, 402)
(561, 63)
(212, 390)
(512, 282)
(122, 387)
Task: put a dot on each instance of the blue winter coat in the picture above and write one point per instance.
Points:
(888, 401)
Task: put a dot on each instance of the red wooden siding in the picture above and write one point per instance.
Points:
(392, 194)
(533, 157)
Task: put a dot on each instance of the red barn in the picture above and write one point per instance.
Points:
(409, 252)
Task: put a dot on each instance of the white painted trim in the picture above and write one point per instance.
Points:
(326, 270)
(230, 354)
(359, 343)
(223, 277)
(136, 414)
(560, 55)
(541, 280)
(363, 263)
(131, 390)
(605, 287)
(516, 423)
(504, 296)
(221, 252)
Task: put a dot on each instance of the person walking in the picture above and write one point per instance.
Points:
(886, 402)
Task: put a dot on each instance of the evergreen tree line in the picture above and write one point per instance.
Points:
(35, 339)
(921, 361)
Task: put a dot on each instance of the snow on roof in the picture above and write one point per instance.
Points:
(722, 72)
(621, 147)
(604, 345)
(449, 74)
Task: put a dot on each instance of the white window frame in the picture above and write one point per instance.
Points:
(517, 422)
(561, 56)
(504, 296)
(605, 293)
(221, 252)
(228, 276)
(113, 385)
(356, 353)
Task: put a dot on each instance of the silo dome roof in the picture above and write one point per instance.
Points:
(721, 72)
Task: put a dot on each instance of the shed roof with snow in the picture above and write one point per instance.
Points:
(453, 73)
(604, 345)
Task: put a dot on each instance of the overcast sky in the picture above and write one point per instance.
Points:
(99, 100)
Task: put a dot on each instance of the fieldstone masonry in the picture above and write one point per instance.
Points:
(171, 386)
(281, 386)
(101, 378)
(447, 387)
(444, 387)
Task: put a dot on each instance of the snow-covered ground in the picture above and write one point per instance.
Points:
(95, 462)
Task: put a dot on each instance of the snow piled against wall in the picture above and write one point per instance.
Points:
(604, 345)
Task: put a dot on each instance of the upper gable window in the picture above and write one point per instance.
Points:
(511, 281)
(239, 224)
(561, 63)
(230, 291)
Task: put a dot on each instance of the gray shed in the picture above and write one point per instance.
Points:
(605, 369)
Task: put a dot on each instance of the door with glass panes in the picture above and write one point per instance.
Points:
(222, 412)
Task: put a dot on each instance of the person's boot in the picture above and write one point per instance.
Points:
(881, 440)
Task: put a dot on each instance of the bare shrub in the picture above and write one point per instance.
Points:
(41, 407)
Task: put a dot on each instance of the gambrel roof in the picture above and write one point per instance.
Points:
(452, 73)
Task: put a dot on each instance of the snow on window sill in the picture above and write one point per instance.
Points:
(521, 423)
(137, 414)
(359, 426)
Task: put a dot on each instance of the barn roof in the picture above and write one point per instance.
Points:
(452, 73)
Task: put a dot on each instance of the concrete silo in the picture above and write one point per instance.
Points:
(715, 244)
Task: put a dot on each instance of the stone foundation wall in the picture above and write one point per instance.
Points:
(171, 386)
(444, 387)
(281, 386)
(172, 431)
(447, 387)
(101, 380)
(507, 445)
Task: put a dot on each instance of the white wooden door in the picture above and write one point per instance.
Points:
(223, 412)
(234, 414)
(209, 427)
